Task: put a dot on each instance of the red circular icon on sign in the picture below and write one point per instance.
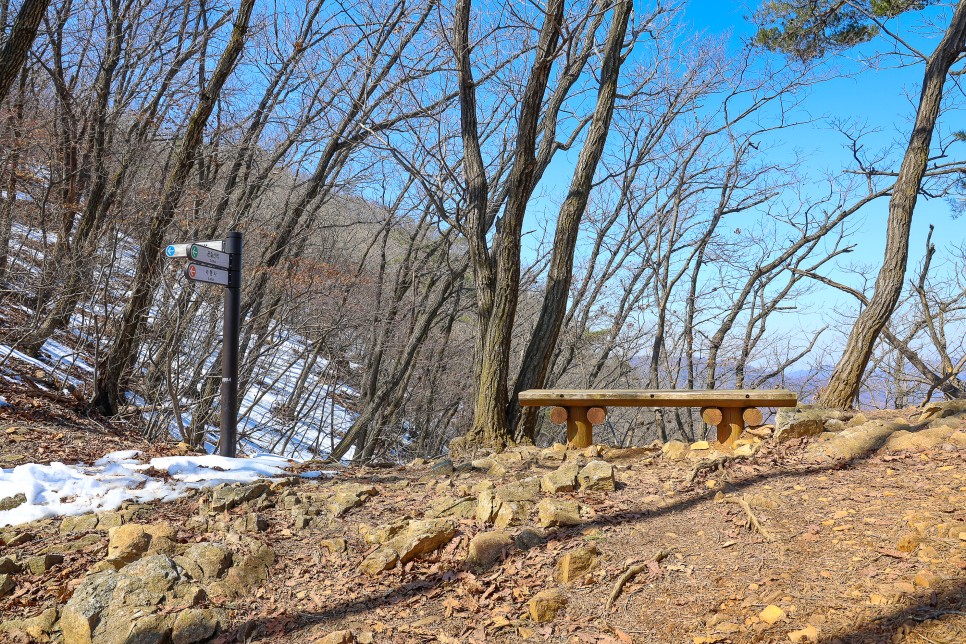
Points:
(192, 271)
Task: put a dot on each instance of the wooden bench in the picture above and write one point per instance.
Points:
(730, 409)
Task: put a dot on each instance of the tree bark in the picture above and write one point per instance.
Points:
(119, 359)
(15, 50)
(843, 387)
(543, 339)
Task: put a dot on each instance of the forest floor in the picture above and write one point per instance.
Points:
(869, 549)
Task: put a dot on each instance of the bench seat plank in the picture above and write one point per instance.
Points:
(659, 397)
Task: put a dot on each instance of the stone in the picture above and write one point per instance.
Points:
(807, 634)
(382, 533)
(512, 513)
(799, 428)
(82, 613)
(909, 542)
(527, 489)
(245, 576)
(597, 476)
(230, 496)
(700, 445)
(194, 625)
(855, 442)
(771, 614)
(448, 506)
(127, 543)
(347, 496)
(926, 579)
(130, 625)
(834, 425)
(919, 440)
(528, 538)
(487, 506)
(6, 584)
(378, 561)
(487, 548)
(205, 561)
(337, 637)
(675, 450)
(558, 512)
(576, 564)
(42, 563)
(9, 566)
(545, 605)
(334, 546)
(442, 467)
(422, 537)
(958, 438)
(14, 501)
(858, 419)
(250, 523)
(146, 582)
(40, 626)
(419, 537)
(562, 479)
(81, 523)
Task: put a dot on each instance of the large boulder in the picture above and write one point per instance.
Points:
(918, 440)
(127, 605)
(854, 442)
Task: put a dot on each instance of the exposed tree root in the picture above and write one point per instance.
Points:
(718, 463)
(753, 522)
(633, 571)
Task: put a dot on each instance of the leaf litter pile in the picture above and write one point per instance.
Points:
(781, 546)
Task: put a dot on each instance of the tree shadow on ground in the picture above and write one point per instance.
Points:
(408, 589)
(295, 622)
(948, 601)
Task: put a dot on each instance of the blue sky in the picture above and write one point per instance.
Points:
(885, 98)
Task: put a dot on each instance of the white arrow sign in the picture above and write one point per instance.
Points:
(209, 256)
(206, 274)
(181, 250)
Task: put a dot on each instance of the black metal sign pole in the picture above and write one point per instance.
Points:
(230, 337)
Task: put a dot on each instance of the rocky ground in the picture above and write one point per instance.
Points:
(834, 528)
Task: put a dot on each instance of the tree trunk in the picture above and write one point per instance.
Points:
(119, 359)
(15, 50)
(543, 340)
(843, 387)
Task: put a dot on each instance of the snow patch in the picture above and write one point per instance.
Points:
(64, 490)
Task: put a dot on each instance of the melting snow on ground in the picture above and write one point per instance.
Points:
(61, 490)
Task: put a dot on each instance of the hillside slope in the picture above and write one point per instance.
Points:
(785, 543)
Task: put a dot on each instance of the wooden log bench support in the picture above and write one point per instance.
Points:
(731, 410)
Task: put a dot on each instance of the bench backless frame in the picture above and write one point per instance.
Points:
(729, 409)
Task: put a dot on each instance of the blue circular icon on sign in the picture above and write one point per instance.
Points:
(169, 251)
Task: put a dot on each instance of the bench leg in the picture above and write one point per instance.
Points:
(731, 425)
(580, 432)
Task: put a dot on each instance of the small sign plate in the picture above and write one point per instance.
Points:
(209, 256)
(206, 274)
(181, 250)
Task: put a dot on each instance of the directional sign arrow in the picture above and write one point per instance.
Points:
(206, 274)
(209, 256)
(181, 250)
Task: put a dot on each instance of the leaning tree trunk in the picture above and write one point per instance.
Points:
(120, 358)
(15, 50)
(843, 387)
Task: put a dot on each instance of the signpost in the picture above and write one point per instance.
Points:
(218, 262)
